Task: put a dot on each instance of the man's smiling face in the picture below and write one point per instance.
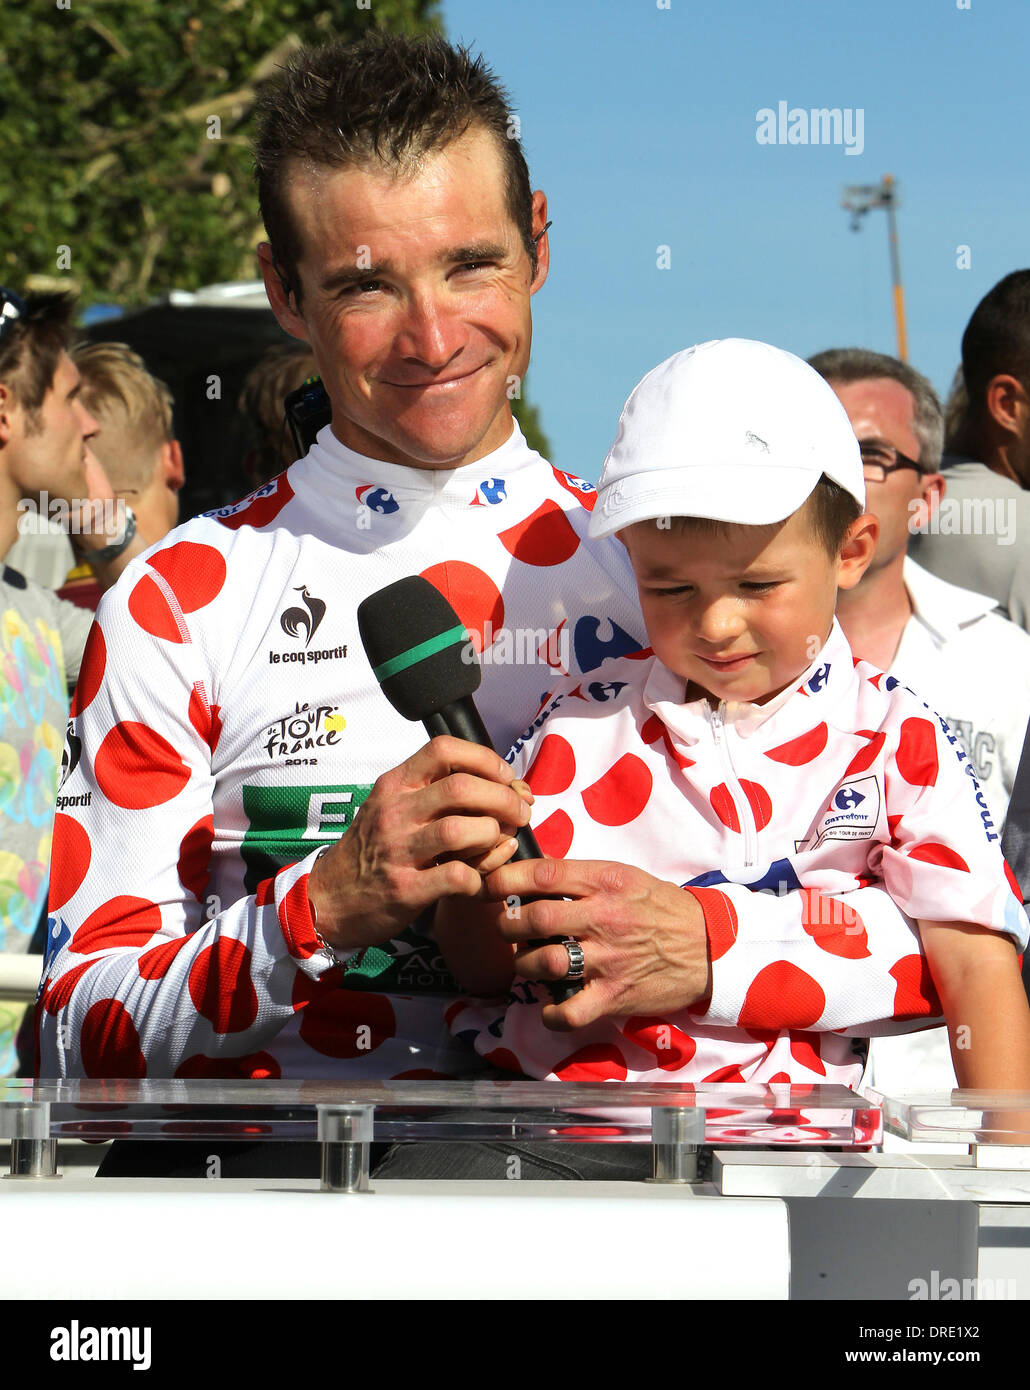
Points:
(415, 299)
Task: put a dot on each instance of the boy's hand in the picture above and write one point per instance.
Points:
(506, 845)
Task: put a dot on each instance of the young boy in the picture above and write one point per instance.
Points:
(752, 748)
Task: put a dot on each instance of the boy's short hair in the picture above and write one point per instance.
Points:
(117, 386)
(830, 510)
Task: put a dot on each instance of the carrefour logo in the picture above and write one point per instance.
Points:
(847, 799)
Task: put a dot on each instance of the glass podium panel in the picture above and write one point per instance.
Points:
(710, 1113)
(957, 1116)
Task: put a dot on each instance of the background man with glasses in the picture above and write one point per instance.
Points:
(946, 643)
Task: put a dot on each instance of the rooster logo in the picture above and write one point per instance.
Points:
(306, 619)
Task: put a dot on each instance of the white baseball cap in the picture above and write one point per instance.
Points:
(732, 429)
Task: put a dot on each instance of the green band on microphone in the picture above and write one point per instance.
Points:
(451, 638)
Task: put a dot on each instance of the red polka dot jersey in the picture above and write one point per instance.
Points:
(227, 726)
(814, 803)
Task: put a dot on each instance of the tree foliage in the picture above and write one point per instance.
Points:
(126, 126)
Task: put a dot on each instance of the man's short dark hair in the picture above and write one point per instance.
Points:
(30, 348)
(997, 340)
(385, 98)
(830, 511)
(859, 364)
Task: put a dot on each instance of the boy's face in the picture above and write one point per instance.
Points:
(742, 611)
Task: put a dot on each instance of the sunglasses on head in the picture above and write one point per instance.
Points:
(12, 307)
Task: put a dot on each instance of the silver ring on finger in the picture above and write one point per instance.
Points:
(577, 961)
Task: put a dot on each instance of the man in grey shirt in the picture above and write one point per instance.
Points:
(46, 466)
(978, 536)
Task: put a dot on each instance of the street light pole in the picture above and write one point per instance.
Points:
(858, 200)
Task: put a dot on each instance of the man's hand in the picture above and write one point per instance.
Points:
(88, 536)
(644, 941)
(415, 840)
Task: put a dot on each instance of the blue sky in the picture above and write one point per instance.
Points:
(640, 125)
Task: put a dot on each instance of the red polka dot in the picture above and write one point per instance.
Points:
(120, 922)
(621, 794)
(91, 670)
(833, 926)
(264, 893)
(155, 964)
(294, 912)
(544, 538)
(474, 597)
(60, 993)
(915, 995)
(670, 1047)
(652, 728)
(191, 575)
(554, 835)
(305, 989)
(865, 757)
(257, 1066)
(722, 805)
(553, 768)
(760, 802)
(720, 919)
(259, 511)
(453, 1010)
(779, 1078)
(69, 861)
(149, 609)
(347, 1023)
(932, 853)
(506, 1060)
(195, 573)
(221, 988)
(195, 857)
(782, 996)
(205, 717)
(109, 1042)
(137, 768)
(723, 1074)
(802, 749)
(917, 753)
(596, 1062)
(805, 1049)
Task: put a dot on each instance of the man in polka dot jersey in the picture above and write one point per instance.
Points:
(250, 828)
(749, 752)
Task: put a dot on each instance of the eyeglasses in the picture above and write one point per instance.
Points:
(12, 307)
(879, 460)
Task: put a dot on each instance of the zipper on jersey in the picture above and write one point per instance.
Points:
(745, 815)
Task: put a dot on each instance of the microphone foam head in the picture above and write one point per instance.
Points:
(418, 647)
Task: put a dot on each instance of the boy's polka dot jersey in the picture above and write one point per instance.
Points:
(226, 727)
(844, 781)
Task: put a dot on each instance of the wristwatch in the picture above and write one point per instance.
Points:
(111, 552)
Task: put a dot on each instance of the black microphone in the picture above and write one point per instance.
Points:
(424, 660)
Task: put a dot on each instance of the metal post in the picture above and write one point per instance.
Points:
(345, 1132)
(27, 1124)
(676, 1131)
